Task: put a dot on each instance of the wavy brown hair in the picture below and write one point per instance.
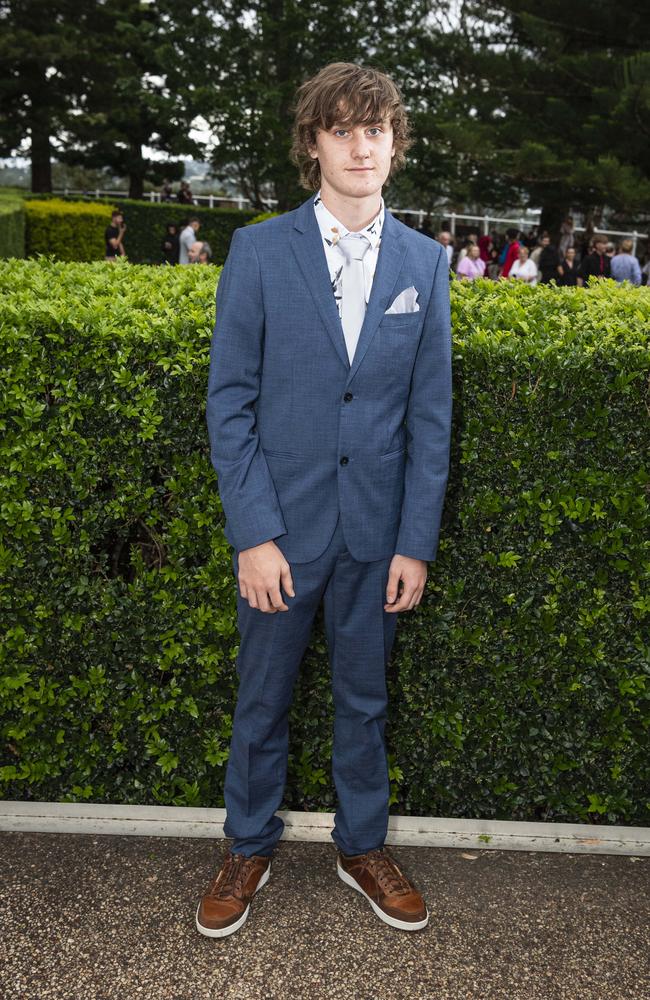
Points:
(345, 94)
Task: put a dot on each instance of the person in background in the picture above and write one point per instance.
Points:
(194, 251)
(184, 195)
(645, 271)
(567, 237)
(444, 237)
(205, 253)
(169, 246)
(568, 269)
(625, 266)
(472, 240)
(113, 236)
(471, 266)
(166, 193)
(485, 244)
(200, 252)
(523, 268)
(548, 261)
(493, 268)
(186, 239)
(531, 239)
(535, 249)
(597, 262)
(510, 252)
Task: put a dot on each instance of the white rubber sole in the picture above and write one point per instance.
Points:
(219, 932)
(403, 925)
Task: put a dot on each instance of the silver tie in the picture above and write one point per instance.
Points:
(353, 288)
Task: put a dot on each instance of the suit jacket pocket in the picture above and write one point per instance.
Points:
(391, 321)
(282, 454)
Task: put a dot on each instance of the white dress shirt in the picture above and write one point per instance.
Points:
(332, 231)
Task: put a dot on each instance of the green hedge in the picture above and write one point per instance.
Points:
(12, 228)
(145, 222)
(519, 689)
(71, 231)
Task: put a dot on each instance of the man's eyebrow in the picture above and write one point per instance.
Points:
(372, 124)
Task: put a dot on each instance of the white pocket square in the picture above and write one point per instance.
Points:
(405, 302)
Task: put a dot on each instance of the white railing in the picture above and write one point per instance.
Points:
(485, 221)
(210, 200)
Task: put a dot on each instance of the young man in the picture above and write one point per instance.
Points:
(329, 407)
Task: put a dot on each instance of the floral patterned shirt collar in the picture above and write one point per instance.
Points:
(332, 230)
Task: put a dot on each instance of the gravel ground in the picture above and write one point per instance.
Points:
(88, 917)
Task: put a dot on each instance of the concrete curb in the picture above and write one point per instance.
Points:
(413, 831)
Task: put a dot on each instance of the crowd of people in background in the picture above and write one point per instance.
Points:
(179, 244)
(535, 259)
(530, 257)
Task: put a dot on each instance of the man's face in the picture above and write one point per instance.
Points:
(546, 240)
(600, 246)
(118, 220)
(194, 251)
(444, 239)
(354, 160)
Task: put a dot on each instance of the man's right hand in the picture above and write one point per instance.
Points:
(261, 571)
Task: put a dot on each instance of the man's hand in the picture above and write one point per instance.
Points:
(413, 574)
(261, 570)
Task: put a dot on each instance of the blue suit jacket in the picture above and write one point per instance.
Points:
(296, 432)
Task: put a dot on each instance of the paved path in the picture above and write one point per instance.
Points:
(112, 918)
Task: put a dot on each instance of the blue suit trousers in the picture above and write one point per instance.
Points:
(360, 637)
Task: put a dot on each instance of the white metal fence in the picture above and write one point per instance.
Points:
(483, 221)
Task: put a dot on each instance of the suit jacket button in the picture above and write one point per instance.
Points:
(348, 396)
(344, 460)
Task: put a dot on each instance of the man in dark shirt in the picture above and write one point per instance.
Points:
(114, 235)
(548, 261)
(597, 262)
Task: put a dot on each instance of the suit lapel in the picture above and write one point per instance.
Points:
(307, 245)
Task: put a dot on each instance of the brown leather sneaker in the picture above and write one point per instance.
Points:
(225, 906)
(392, 896)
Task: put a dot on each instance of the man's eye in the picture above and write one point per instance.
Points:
(375, 128)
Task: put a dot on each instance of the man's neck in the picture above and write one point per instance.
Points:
(354, 213)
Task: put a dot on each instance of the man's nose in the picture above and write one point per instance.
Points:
(360, 147)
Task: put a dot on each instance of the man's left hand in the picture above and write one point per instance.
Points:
(413, 575)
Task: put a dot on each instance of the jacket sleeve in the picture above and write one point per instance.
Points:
(428, 427)
(247, 492)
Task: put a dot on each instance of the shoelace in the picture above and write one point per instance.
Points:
(388, 875)
(230, 880)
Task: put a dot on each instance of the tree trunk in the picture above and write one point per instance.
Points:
(41, 156)
(551, 218)
(137, 169)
